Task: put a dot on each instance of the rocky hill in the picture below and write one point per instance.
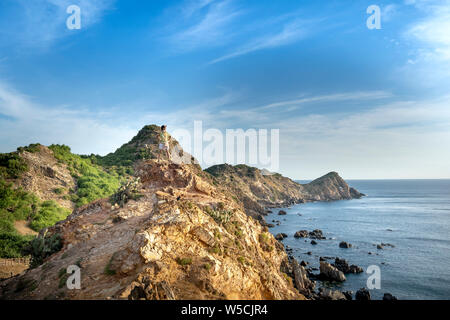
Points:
(141, 229)
(257, 191)
(181, 238)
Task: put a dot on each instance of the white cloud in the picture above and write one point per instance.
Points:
(291, 32)
(393, 139)
(433, 32)
(24, 122)
(198, 28)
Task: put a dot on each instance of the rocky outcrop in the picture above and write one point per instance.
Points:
(345, 245)
(45, 175)
(257, 191)
(328, 188)
(389, 297)
(181, 239)
(315, 234)
(328, 294)
(328, 272)
(362, 295)
(342, 265)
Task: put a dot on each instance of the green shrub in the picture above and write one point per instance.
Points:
(59, 190)
(13, 245)
(184, 261)
(33, 148)
(108, 271)
(12, 165)
(48, 214)
(43, 247)
(93, 181)
(220, 216)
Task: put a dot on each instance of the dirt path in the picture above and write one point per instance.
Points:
(22, 227)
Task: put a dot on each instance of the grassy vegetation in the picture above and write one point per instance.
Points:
(221, 216)
(17, 204)
(184, 261)
(93, 182)
(11, 165)
(108, 271)
(43, 247)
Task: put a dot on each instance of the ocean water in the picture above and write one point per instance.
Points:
(417, 212)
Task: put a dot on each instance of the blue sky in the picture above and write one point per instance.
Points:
(365, 103)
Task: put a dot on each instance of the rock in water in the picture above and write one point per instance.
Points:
(343, 266)
(317, 234)
(301, 234)
(327, 294)
(389, 297)
(302, 282)
(282, 213)
(328, 272)
(362, 295)
(344, 245)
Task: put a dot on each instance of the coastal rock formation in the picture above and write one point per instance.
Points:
(257, 191)
(328, 294)
(389, 297)
(345, 245)
(342, 265)
(302, 282)
(181, 239)
(329, 272)
(316, 234)
(362, 295)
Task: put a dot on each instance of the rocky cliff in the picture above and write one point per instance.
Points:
(180, 238)
(257, 191)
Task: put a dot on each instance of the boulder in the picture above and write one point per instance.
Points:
(345, 245)
(328, 272)
(316, 234)
(313, 242)
(302, 282)
(389, 297)
(301, 234)
(282, 212)
(281, 236)
(327, 294)
(342, 265)
(348, 295)
(362, 295)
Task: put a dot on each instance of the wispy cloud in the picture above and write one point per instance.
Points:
(359, 96)
(432, 32)
(24, 121)
(291, 32)
(202, 24)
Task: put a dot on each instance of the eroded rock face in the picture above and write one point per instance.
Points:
(183, 239)
(44, 175)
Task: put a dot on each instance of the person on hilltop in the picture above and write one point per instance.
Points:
(163, 143)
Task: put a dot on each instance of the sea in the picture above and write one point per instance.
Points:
(412, 215)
